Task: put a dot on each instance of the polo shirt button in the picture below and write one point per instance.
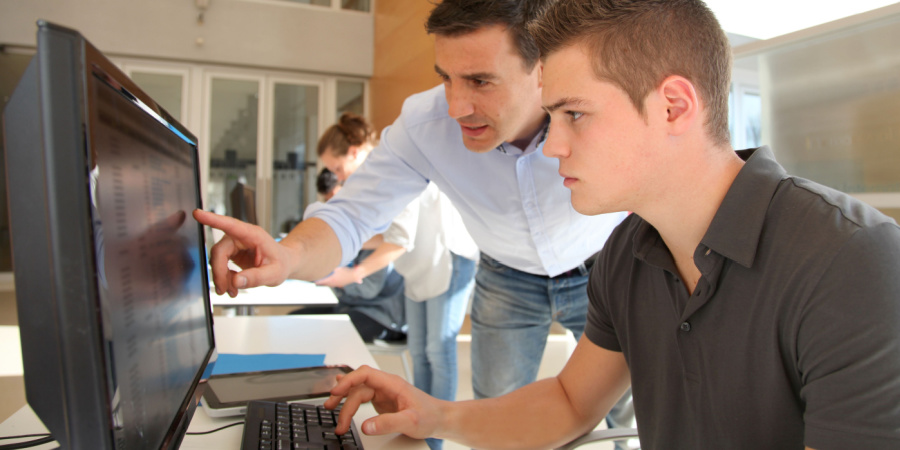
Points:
(685, 326)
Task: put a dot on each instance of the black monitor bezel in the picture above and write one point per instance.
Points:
(47, 122)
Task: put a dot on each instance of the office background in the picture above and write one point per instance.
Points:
(258, 80)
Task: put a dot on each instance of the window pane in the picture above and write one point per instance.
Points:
(832, 105)
(12, 66)
(164, 88)
(350, 97)
(296, 124)
(752, 109)
(357, 5)
(232, 136)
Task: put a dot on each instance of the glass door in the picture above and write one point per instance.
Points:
(262, 133)
(233, 147)
(167, 88)
(295, 130)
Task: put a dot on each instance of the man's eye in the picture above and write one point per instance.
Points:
(575, 115)
(479, 83)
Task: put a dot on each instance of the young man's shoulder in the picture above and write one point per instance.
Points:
(844, 206)
(824, 210)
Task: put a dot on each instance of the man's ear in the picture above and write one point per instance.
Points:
(540, 74)
(681, 102)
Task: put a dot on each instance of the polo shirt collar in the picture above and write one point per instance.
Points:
(735, 229)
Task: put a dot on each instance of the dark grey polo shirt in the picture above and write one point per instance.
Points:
(792, 336)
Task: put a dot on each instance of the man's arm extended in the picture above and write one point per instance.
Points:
(543, 414)
(309, 252)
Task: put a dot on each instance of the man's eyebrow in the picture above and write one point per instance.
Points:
(566, 101)
(485, 76)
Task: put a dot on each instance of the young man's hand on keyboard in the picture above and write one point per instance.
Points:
(401, 407)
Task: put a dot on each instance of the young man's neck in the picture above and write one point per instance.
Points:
(683, 218)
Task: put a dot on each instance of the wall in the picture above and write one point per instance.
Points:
(261, 33)
(405, 58)
(831, 103)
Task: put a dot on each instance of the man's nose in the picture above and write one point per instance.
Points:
(460, 102)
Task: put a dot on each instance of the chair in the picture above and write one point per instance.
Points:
(614, 434)
(396, 348)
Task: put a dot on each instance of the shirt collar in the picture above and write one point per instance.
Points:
(735, 229)
(535, 143)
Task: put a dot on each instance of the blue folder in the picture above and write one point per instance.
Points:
(235, 363)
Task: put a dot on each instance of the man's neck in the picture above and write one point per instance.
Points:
(535, 126)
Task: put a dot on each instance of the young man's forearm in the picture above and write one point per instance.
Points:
(538, 416)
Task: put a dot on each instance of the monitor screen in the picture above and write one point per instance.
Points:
(105, 181)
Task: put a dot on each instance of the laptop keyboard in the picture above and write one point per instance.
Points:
(283, 426)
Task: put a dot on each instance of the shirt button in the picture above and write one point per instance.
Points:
(685, 326)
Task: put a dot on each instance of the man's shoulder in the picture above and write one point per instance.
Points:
(425, 107)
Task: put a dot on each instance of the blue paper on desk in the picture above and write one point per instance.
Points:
(235, 363)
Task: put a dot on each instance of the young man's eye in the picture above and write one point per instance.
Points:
(574, 115)
(479, 83)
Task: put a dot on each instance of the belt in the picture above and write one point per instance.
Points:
(579, 270)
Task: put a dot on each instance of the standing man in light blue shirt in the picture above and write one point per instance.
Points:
(478, 137)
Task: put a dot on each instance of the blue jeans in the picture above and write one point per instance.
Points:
(431, 336)
(511, 315)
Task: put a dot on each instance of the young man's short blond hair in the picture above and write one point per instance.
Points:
(636, 44)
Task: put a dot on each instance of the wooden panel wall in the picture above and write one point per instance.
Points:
(404, 58)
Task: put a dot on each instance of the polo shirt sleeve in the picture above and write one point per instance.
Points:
(600, 325)
(848, 346)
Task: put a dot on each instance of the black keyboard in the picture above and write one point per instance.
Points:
(283, 426)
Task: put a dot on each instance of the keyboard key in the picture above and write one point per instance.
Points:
(283, 426)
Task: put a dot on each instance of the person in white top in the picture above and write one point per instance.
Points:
(429, 245)
(439, 273)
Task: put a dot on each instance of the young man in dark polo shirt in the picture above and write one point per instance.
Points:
(746, 307)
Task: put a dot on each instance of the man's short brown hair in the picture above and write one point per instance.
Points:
(458, 17)
(636, 44)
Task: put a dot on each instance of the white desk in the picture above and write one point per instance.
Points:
(290, 293)
(332, 335)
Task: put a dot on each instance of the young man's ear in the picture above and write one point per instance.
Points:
(681, 102)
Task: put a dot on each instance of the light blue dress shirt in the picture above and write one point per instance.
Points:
(513, 203)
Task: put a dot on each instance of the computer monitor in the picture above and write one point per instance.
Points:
(110, 266)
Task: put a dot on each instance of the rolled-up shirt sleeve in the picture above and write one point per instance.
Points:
(373, 196)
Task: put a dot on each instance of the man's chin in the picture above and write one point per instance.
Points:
(479, 146)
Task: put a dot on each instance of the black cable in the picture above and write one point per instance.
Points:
(194, 433)
(22, 436)
(47, 438)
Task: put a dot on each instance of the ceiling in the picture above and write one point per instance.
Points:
(764, 19)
